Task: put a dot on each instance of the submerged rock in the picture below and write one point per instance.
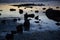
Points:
(19, 28)
(9, 37)
(27, 25)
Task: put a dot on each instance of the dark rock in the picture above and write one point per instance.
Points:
(0, 14)
(36, 21)
(53, 14)
(1, 10)
(36, 11)
(19, 19)
(43, 8)
(28, 15)
(31, 15)
(19, 29)
(12, 9)
(9, 37)
(20, 11)
(31, 7)
(24, 8)
(25, 16)
(27, 25)
(37, 17)
(57, 7)
(58, 24)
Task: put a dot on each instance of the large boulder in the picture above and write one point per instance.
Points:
(53, 14)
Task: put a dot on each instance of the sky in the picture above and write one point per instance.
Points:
(13, 1)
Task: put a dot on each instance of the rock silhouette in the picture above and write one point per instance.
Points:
(31, 7)
(57, 7)
(20, 11)
(25, 8)
(19, 28)
(26, 25)
(31, 15)
(28, 15)
(36, 11)
(9, 37)
(25, 16)
(1, 10)
(53, 14)
(19, 19)
(12, 9)
(26, 21)
(0, 14)
(36, 21)
(36, 17)
(58, 24)
(43, 8)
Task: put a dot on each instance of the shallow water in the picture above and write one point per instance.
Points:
(43, 25)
